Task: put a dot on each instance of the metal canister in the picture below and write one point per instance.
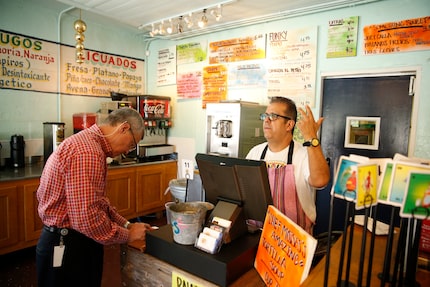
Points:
(17, 145)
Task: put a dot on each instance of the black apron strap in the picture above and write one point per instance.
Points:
(263, 154)
(290, 153)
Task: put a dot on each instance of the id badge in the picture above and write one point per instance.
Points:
(58, 255)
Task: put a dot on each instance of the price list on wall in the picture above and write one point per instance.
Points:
(291, 70)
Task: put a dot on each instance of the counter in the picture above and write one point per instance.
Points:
(134, 189)
(29, 171)
(35, 170)
(142, 269)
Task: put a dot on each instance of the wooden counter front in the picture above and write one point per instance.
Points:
(144, 270)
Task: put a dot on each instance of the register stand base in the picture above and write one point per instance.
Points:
(222, 268)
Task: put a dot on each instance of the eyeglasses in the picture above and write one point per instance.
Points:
(134, 140)
(272, 117)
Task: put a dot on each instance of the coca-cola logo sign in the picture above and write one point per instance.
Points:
(150, 108)
(157, 109)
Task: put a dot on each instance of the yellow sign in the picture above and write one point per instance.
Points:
(238, 49)
(285, 251)
(179, 280)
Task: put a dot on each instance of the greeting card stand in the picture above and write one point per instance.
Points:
(406, 251)
(349, 221)
(410, 233)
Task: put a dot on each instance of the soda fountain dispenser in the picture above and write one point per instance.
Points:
(155, 111)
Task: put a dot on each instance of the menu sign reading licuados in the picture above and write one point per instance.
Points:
(32, 64)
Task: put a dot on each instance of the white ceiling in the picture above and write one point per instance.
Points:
(236, 13)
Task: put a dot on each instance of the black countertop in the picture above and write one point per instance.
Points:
(34, 170)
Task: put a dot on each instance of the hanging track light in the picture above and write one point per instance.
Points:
(185, 22)
(204, 20)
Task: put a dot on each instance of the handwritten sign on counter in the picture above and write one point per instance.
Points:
(31, 64)
(285, 251)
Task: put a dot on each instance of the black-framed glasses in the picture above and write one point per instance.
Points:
(272, 117)
(134, 140)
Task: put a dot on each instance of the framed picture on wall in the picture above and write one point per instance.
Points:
(362, 132)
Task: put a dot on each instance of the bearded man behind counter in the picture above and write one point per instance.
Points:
(295, 170)
(77, 216)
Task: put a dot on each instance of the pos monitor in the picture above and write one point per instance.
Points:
(239, 181)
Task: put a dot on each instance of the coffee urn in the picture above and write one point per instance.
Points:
(17, 145)
(53, 136)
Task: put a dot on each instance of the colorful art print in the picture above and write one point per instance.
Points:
(345, 183)
(367, 185)
(384, 186)
(416, 202)
(399, 179)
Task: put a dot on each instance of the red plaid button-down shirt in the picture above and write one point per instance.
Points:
(71, 193)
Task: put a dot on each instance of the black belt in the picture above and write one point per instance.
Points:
(61, 231)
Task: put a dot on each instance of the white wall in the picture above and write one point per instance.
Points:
(24, 112)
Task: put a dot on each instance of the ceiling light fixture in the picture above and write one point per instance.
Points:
(180, 27)
(169, 29)
(80, 27)
(217, 13)
(185, 21)
(204, 20)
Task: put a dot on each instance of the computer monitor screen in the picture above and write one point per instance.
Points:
(236, 180)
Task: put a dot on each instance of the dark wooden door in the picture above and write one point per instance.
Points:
(386, 97)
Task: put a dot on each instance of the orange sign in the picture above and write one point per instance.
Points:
(238, 49)
(285, 251)
(215, 84)
(393, 37)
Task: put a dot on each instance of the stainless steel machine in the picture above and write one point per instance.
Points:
(233, 128)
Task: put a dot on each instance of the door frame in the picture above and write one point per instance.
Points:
(395, 71)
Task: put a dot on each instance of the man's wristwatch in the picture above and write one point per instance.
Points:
(313, 142)
(127, 224)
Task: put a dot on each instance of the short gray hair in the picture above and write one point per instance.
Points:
(125, 115)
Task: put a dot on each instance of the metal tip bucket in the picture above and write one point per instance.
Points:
(187, 221)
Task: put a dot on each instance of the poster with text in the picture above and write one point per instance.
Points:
(100, 74)
(214, 84)
(401, 36)
(28, 64)
(166, 67)
(342, 37)
(291, 68)
(189, 84)
(193, 52)
(285, 251)
(32, 64)
(238, 49)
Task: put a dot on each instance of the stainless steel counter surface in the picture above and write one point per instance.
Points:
(35, 170)
(27, 172)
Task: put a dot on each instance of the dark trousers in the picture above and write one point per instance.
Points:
(82, 260)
